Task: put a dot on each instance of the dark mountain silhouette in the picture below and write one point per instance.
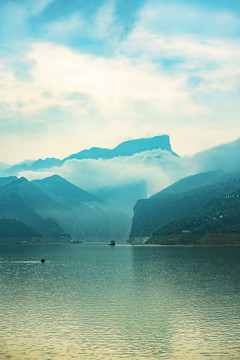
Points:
(7, 180)
(217, 222)
(62, 190)
(55, 208)
(24, 202)
(178, 200)
(12, 231)
(83, 215)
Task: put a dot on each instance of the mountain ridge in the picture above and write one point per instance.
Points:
(218, 221)
(179, 200)
(56, 209)
(23, 201)
(126, 148)
(82, 214)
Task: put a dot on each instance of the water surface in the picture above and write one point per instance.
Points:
(122, 302)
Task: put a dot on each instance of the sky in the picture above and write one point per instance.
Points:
(77, 74)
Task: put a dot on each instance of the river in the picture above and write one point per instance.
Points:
(93, 301)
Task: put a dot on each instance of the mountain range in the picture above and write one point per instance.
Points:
(23, 201)
(127, 148)
(198, 209)
(59, 210)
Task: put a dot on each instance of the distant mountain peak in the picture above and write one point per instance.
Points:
(22, 179)
(55, 177)
(59, 186)
(131, 147)
(126, 148)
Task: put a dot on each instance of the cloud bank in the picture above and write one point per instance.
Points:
(157, 168)
(74, 77)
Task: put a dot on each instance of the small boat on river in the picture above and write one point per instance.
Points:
(112, 243)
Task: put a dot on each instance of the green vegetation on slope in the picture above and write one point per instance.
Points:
(13, 231)
(14, 228)
(24, 202)
(180, 200)
(216, 222)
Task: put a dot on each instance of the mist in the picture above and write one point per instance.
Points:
(156, 168)
(225, 157)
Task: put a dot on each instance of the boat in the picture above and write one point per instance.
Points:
(42, 260)
(112, 243)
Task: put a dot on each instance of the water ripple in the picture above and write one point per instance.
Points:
(131, 303)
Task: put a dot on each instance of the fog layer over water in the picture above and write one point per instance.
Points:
(124, 302)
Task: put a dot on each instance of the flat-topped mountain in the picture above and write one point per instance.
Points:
(131, 147)
(126, 148)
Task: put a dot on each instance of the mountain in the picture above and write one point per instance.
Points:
(127, 148)
(93, 153)
(33, 165)
(55, 208)
(45, 164)
(3, 166)
(217, 222)
(24, 202)
(132, 147)
(81, 214)
(62, 190)
(123, 196)
(12, 231)
(7, 180)
(178, 200)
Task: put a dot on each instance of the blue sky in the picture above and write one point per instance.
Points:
(82, 73)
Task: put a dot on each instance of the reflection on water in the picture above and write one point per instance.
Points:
(123, 302)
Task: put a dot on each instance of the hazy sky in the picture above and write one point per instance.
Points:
(82, 73)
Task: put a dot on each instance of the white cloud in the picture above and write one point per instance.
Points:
(160, 80)
(195, 50)
(176, 17)
(211, 55)
(111, 86)
(107, 81)
(92, 175)
(225, 157)
(105, 21)
(61, 29)
(104, 100)
(156, 168)
(100, 26)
